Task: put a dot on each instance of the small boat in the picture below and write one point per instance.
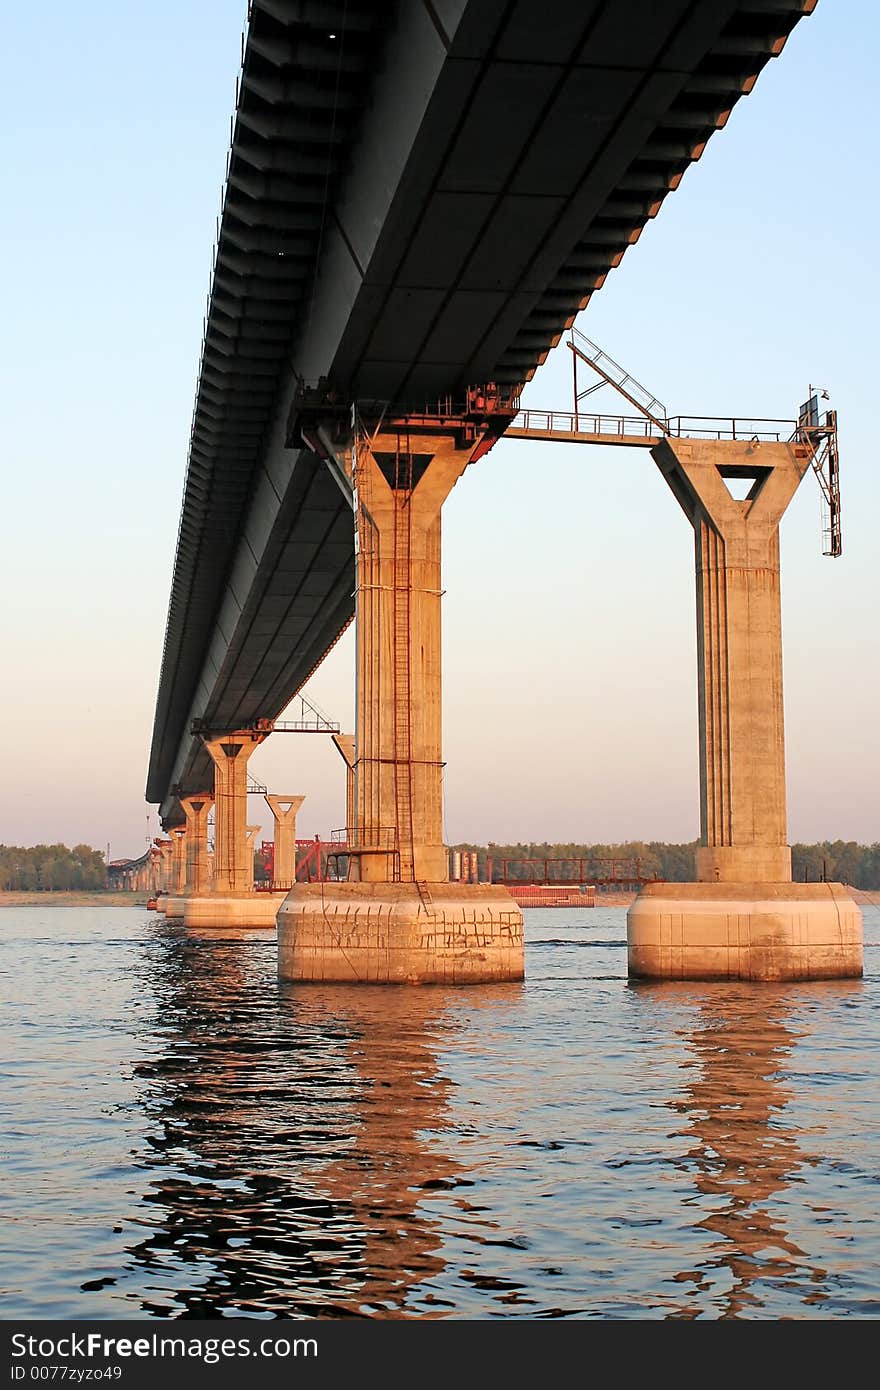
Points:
(152, 904)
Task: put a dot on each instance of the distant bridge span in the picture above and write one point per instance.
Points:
(419, 196)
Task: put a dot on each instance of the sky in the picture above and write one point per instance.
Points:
(570, 707)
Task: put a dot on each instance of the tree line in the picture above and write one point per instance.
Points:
(51, 868)
(838, 861)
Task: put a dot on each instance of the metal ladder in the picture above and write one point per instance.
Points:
(821, 441)
(611, 373)
(425, 895)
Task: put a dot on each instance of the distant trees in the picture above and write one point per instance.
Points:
(674, 862)
(54, 868)
(51, 868)
(839, 861)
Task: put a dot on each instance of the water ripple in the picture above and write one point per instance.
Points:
(187, 1138)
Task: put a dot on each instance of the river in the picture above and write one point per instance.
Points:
(183, 1136)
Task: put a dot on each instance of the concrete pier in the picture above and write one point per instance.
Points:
(197, 809)
(164, 848)
(284, 810)
(244, 909)
(742, 917)
(190, 868)
(171, 898)
(229, 898)
(233, 858)
(178, 860)
(345, 745)
(250, 840)
(398, 919)
(400, 933)
(746, 931)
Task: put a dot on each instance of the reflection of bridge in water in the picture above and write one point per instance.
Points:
(745, 1153)
(297, 1139)
(313, 1153)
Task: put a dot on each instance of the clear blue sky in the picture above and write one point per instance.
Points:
(570, 689)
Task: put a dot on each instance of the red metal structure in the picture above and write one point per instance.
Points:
(317, 861)
(312, 864)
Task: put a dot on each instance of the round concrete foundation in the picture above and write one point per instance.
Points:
(400, 933)
(744, 931)
(231, 909)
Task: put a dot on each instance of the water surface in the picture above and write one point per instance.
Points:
(185, 1137)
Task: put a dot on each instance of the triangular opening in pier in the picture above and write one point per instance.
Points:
(402, 472)
(743, 483)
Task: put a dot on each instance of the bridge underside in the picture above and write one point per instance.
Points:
(410, 207)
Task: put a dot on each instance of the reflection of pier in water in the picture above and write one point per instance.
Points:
(296, 1148)
(743, 1155)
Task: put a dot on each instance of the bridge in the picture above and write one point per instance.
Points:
(140, 875)
(419, 201)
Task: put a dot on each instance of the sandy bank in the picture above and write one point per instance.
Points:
(9, 898)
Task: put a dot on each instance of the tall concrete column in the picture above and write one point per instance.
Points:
(178, 859)
(155, 884)
(397, 917)
(284, 809)
(398, 730)
(739, 648)
(164, 868)
(197, 809)
(742, 918)
(233, 861)
(169, 866)
(345, 745)
(252, 831)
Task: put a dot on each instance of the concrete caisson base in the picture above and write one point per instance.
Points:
(400, 933)
(744, 931)
(231, 909)
(171, 905)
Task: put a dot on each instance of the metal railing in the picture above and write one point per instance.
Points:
(567, 423)
(354, 839)
(568, 871)
(614, 375)
(732, 427)
(311, 720)
(306, 726)
(579, 426)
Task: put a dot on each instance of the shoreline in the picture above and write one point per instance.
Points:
(866, 897)
(74, 897)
